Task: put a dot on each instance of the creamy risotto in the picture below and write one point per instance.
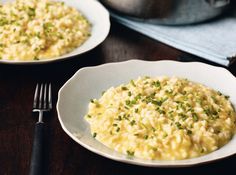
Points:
(163, 118)
(40, 29)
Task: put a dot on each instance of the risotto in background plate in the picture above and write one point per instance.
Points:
(40, 29)
(193, 111)
(33, 31)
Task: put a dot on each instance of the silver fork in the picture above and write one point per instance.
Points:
(42, 103)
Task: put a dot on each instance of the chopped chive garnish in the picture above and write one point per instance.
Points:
(178, 125)
(126, 118)
(214, 112)
(118, 129)
(136, 110)
(157, 102)
(94, 134)
(132, 82)
(36, 58)
(195, 117)
(153, 129)
(129, 94)
(189, 132)
(132, 122)
(137, 97)
(130, 153)
(154, 149)
(124, 88)
(126, 107)
(89, 116)
(226, 97)
(133, 102)
(183, 116)
(146, 137)
(161, 111)
(207, 112)
(156, 83)
(128, 103)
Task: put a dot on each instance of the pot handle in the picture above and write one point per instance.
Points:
(218, 3)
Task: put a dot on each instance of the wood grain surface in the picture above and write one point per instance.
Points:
(63, 156)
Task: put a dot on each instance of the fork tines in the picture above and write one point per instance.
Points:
(43, 97)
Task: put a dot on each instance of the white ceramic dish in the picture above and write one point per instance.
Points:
(97, 15)
(89, 82)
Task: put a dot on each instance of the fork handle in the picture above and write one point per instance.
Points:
(36, 165)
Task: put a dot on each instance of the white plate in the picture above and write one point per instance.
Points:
(89, 82)
(97, 15)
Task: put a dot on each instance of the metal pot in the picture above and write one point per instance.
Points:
(172, 12)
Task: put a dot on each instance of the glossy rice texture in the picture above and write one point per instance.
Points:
(162, 118)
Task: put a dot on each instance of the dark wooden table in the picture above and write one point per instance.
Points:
(64, 156)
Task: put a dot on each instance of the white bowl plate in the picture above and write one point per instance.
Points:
(89, 82)
(96, 14)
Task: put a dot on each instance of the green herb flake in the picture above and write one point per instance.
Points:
(130, 153)
(118, 129)
(126, 107)
(36, 58)
(161, 111)
(132, 122)
(146, 137)
(123, 88)
(189, 132)
(119, 118)
(178, 125)
(89, 116)
(156, 84)
(128, 102)
(207, 112)
(195, 117)
(94, 135)
(3, 22)
(125, 117)
(157, 102)
(136, 110)
(226, 97)
(165, 135)
(31, 12)
(154, 149)
(129, 93)
(183, 116)
(132, 83)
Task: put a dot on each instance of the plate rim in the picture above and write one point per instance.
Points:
(175, 163)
